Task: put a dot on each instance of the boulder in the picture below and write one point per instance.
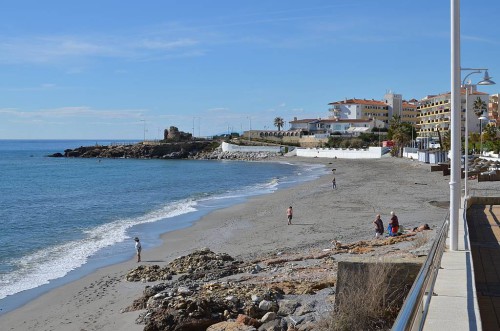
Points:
(230, 326)
(287, 307)
(269, 316)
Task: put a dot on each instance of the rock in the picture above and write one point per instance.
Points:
(231, 298)
(183, 290)
(255, 298)
(230, 326)
(256, 269)
(274, 325)
(247, 320)
(287, 307)
(306, 308)
(266, 305)
(269, 316)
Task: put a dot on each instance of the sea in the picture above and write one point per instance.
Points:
(63, 218)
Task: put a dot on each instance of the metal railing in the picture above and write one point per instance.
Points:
(412, 314)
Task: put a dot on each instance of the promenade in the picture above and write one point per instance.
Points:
(466, 295)
(484, 234)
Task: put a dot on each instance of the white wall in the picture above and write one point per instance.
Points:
(250, 149)
(370, 153)
(410, 152)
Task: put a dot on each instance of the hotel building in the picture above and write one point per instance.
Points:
(393, 104)
(435, 115)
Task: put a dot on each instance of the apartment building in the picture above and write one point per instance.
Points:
(360, 109)
(392, 104)
(406, 110)
(435, 114)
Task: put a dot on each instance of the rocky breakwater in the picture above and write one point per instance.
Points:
(168, 150)
(219, 154)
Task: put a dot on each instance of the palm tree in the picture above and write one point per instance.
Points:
(490, 132)
(479, 106)
(446, 141)
(400, 133)
(279, 122)
(474, 138)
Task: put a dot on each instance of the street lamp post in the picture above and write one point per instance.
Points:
(455, 124)
(486, 81)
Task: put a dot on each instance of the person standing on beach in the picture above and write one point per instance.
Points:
(334, 183)
(138, 249)
(289, 214)
(393, 225)
(379, 226)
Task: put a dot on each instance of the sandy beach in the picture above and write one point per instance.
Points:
(259, 226)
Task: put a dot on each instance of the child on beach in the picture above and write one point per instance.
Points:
(289, 214)
(379, 226)
(138, 249)
(334, 183)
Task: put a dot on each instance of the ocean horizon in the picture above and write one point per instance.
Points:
(63, 218)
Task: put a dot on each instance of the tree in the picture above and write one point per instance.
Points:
(446, 141)
(479, 106)
(400, 133)
(490, 132)
(474, 138)
(279, 122)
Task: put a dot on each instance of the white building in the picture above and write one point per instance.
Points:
(335, 126)
(393, 104)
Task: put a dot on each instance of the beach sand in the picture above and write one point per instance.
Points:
(256, 227)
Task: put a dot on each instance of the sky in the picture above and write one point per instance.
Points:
(109, 69)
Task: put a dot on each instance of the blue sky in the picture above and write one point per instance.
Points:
(108, 69)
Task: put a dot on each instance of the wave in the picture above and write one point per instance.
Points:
(41, 267)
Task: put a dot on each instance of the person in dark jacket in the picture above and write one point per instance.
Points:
(379, 226)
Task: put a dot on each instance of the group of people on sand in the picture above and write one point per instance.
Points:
(392, 229)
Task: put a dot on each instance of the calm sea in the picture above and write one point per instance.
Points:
(63, 218)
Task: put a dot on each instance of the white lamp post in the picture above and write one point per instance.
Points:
(455, 124)
(486, 81)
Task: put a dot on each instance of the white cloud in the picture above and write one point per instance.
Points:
(162, 44)
(480, 39)
(56, 48)
(75, 112)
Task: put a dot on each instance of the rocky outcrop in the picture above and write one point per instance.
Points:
(202, 150)
(172, 150)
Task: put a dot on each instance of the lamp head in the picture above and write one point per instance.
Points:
(483, 118)
(486, 79)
